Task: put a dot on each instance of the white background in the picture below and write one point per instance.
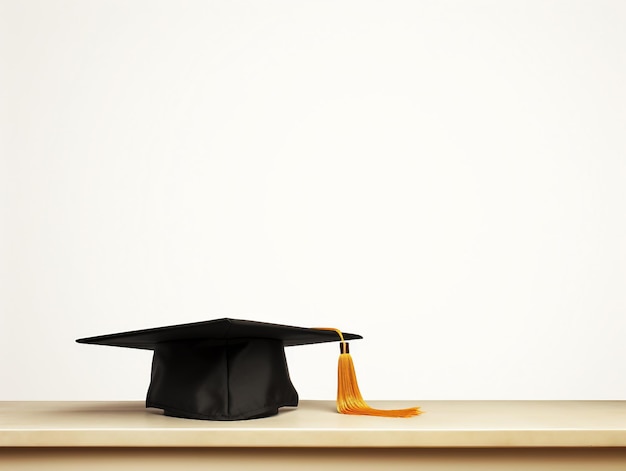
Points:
(446, 178)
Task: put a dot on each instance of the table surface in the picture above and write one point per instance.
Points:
(317, 424)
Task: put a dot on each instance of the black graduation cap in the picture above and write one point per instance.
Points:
(223, 369)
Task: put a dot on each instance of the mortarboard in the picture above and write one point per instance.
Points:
(231, 369)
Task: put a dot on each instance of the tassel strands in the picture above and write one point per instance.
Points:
(349, 398)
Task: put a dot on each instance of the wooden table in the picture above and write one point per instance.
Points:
(468, 435)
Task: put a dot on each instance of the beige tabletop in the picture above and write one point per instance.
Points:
(316, 424)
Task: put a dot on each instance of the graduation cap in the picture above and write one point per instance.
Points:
(231, 369)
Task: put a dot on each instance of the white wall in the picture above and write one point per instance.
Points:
(446, 178)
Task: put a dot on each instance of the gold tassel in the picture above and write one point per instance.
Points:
(349, 399)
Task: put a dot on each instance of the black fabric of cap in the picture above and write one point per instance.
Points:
(223, 369)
